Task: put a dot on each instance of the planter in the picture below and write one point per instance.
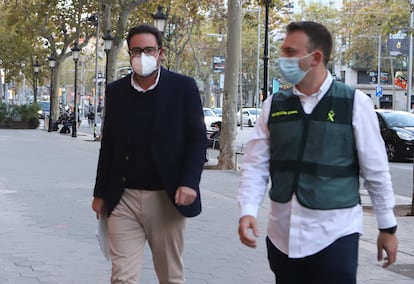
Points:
(10, 124)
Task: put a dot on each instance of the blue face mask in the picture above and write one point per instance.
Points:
(289, 67)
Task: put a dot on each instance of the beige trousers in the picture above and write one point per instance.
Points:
(143, 215)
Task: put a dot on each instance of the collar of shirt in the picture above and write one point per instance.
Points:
(137, 87)
(309, 102)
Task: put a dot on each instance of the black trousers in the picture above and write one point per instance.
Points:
(336, 264)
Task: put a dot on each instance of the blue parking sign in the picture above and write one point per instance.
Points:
(378, 91)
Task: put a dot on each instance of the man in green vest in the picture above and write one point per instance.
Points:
(314, 141)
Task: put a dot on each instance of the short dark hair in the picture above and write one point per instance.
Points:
(145, 29)
(319, 36)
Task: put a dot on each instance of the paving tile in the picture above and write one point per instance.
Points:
(48, 227)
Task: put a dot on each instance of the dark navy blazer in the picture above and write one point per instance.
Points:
(178, 139)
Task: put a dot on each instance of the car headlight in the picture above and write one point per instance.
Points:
(405, 135)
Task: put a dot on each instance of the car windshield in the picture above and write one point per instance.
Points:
(217, 111)
(209, 112)
(254, 112)
(397, 119)
(45, 106)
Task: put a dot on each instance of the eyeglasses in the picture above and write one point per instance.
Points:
(136, 51)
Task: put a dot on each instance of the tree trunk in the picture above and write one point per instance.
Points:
(228, 130)
(55, 91)
(206, 90)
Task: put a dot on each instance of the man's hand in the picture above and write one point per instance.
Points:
(389, 243)
(245, 223)
(98, 206)
(185, 196)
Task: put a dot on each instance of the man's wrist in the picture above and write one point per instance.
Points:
(390, 230)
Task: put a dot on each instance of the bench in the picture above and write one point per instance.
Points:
(238, 152)
(214, 147)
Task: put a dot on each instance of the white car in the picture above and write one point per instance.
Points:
(210, 118)
(218, 111)
(250, 116)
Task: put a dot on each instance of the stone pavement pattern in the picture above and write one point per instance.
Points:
(47, 229)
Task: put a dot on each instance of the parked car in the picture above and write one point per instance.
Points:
(250, 116)
(397, 130)
(218, 111)
(210, 119)
(44, 109)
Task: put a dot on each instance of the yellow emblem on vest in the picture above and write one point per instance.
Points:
(289, 112)
(331, 115)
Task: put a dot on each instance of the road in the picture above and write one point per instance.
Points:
(402, 178)
(401, 172)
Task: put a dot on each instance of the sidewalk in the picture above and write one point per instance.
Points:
(47, 229)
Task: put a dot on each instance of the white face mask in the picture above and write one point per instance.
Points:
(144, 65)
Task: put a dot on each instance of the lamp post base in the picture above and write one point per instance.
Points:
(50, 125)
(74, 131)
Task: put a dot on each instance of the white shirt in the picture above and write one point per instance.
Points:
(298, 231)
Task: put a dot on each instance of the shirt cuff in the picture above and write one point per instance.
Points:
(248, 210)
(386, 219)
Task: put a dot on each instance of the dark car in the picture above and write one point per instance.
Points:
(397, 130)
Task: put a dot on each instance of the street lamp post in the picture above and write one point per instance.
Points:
(256, 100)
(75, 54)
(36, 69)
(378, 71)
(94, 19)
(108, 39)
(97, 108)
(376, 99)
(100, 81)
(266, 51)
(160, 22)
(217, 67)
(52, 64)
(258, 61)
(160, 19)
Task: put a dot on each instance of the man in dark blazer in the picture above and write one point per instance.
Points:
(150, 162)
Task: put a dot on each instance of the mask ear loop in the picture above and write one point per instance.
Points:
(158, 52)
(157, 56)
(307, 55)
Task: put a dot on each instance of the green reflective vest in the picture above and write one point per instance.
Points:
(314, 155)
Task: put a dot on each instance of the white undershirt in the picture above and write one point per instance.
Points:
(137, 87)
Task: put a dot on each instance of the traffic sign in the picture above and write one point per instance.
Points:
(378, 91)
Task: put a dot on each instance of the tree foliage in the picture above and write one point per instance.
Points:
(38, 28)
(362, 24)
